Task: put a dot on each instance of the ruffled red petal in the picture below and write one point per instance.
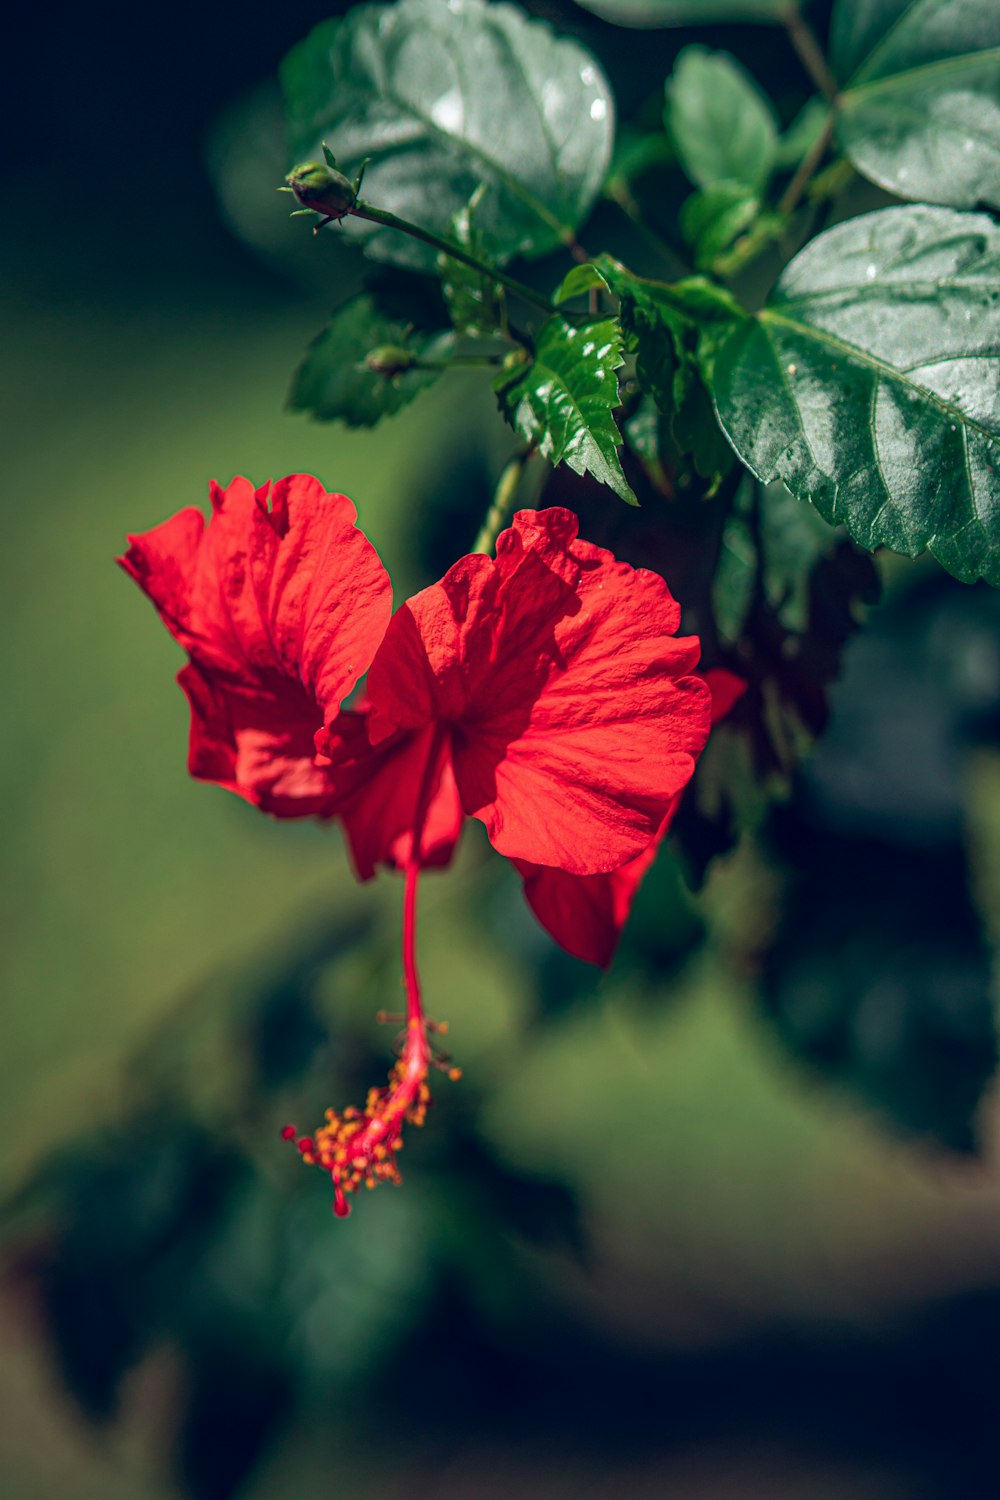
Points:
(257, 746)
(573, 714)
(587, 913)
(280, 603)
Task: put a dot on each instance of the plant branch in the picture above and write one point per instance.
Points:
(792, 195)
(459, 362)
(361, 210)
(810, 53)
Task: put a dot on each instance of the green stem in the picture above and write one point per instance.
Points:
(792, 195)
(460, 362)
(502, 508)
(759, 237)
(810, 53)
(390, 221)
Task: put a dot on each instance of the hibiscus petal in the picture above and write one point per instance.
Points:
(280, 602)
(324, 597)
(379, 793)
(587, 913)
(259, 748)
(726, 689)
(574, 718)
(163, 563)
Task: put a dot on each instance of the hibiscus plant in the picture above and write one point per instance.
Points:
(740, 344)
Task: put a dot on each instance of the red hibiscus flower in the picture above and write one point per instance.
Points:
(280, 603)
(586, 913)
(544, 692)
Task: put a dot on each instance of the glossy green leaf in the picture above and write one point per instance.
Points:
(673, 330)
(334, 381)
(693, 308)
(695, 426)
(563, 400)
(919, 111)
(650, 13)
(722, 125)
(870, 384)
(473, 300)
(406, 86)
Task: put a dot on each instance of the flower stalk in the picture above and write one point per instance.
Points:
(320, 188)
(373, 215)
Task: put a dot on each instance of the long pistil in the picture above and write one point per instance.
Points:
(359, 1147)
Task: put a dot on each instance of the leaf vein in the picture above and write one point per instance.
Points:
(879, 366)
(906, 78)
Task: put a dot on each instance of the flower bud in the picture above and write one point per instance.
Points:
(514, 362)
(390, 360)
(322, 188)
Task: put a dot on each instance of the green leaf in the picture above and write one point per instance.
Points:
(870, 384)
(695, 426)
(642, 431)
(445, 95)
(579, 281)
(650, 13)
(694, 309)
(721, 124)
(563, 401)
(794, 538)
(735, 572)
(919, 112)
(474, 302)
(713, 218)
(777, 550)
(674, 329)
(334, 381)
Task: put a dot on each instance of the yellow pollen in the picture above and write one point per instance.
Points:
(358, 1147)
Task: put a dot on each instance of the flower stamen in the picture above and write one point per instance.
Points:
(359, 1147)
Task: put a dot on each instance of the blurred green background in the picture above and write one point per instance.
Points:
(725, 1222)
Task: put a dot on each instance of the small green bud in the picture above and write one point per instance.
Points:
(515, 361)
(390, 360)
(322, 188)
